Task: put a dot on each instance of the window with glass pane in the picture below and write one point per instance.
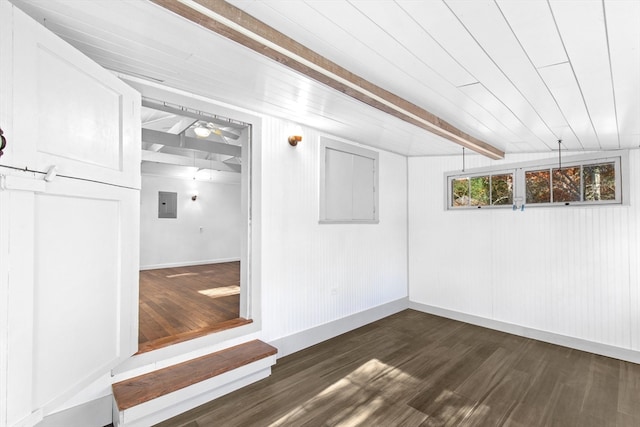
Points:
(566, 184)
(460, 192)
(480, 191)
(599, 182)
(484, 190)
(585, 180)
(538, 185)
(502, 189)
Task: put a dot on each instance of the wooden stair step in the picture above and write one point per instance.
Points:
(189, 335)
(144, 388)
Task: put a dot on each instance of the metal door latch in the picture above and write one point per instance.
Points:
(3, 143)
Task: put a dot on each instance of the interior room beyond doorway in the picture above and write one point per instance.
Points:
(193, 222)
(182, 303)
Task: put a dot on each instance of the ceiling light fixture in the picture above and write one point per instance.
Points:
(201, 131)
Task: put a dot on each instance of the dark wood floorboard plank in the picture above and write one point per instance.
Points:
(415, 369)
(629, 391)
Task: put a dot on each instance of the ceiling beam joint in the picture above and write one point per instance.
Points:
(231, 22)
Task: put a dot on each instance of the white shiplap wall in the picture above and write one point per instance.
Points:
(567, 271)
(314, 274)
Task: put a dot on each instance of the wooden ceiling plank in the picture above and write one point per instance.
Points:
(318, 68)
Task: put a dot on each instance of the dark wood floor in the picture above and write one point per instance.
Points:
(185, 302)
(415, 369)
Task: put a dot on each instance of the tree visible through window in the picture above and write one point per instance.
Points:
(484, 190)
(581, 183)
(599, 182)
(588, 179)
(538, 186)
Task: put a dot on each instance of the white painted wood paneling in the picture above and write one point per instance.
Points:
(624, 48)
(317, 273)
(488, 27)
(426, 52)
(70, 243)
(569, 271)
(561, 81)
(588, 52)
(533, 25)
(206, 230)
(64, 116)
(84, 285)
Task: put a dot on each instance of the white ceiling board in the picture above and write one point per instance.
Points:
(533, 25)
(487, 25)
(445, 26)
(382, 59)
(623, 28)
(562, 84)
(487, 67)
(397, 57)
(517, 131)
(437, 69)
(413, 40)
(515, 82)
(589, 56)
(264, 86)
(107, 21)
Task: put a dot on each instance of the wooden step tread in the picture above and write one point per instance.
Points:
(189, 335)
(134, 391)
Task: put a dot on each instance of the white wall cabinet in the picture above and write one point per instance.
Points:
(68, 246)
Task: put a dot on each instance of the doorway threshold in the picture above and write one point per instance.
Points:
(189, 335)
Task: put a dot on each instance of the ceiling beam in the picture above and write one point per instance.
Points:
(231, 22)
(181, 141)
(174, 159)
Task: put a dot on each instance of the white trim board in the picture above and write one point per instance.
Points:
(96, 412)
(301, 340)
(187, 263)
(550, 337)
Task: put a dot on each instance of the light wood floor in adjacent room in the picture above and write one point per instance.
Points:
(415, 369)
(182, 303)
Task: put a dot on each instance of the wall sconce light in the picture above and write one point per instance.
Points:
(294, 139)
(194, 197)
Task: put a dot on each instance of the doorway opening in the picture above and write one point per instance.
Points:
(193, 225)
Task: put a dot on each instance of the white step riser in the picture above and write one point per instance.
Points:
(177, 402)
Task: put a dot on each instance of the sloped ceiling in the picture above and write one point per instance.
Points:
(517, 74)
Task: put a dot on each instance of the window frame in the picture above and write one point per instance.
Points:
(619, 158)
(332, 144)
(581, 164)
(479, 174)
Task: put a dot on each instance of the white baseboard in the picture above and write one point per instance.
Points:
(550, 337)
(187, 263)
(93, 413)
(301, 340)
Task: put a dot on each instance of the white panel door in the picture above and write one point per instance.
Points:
(68, 245)
(69, 112)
